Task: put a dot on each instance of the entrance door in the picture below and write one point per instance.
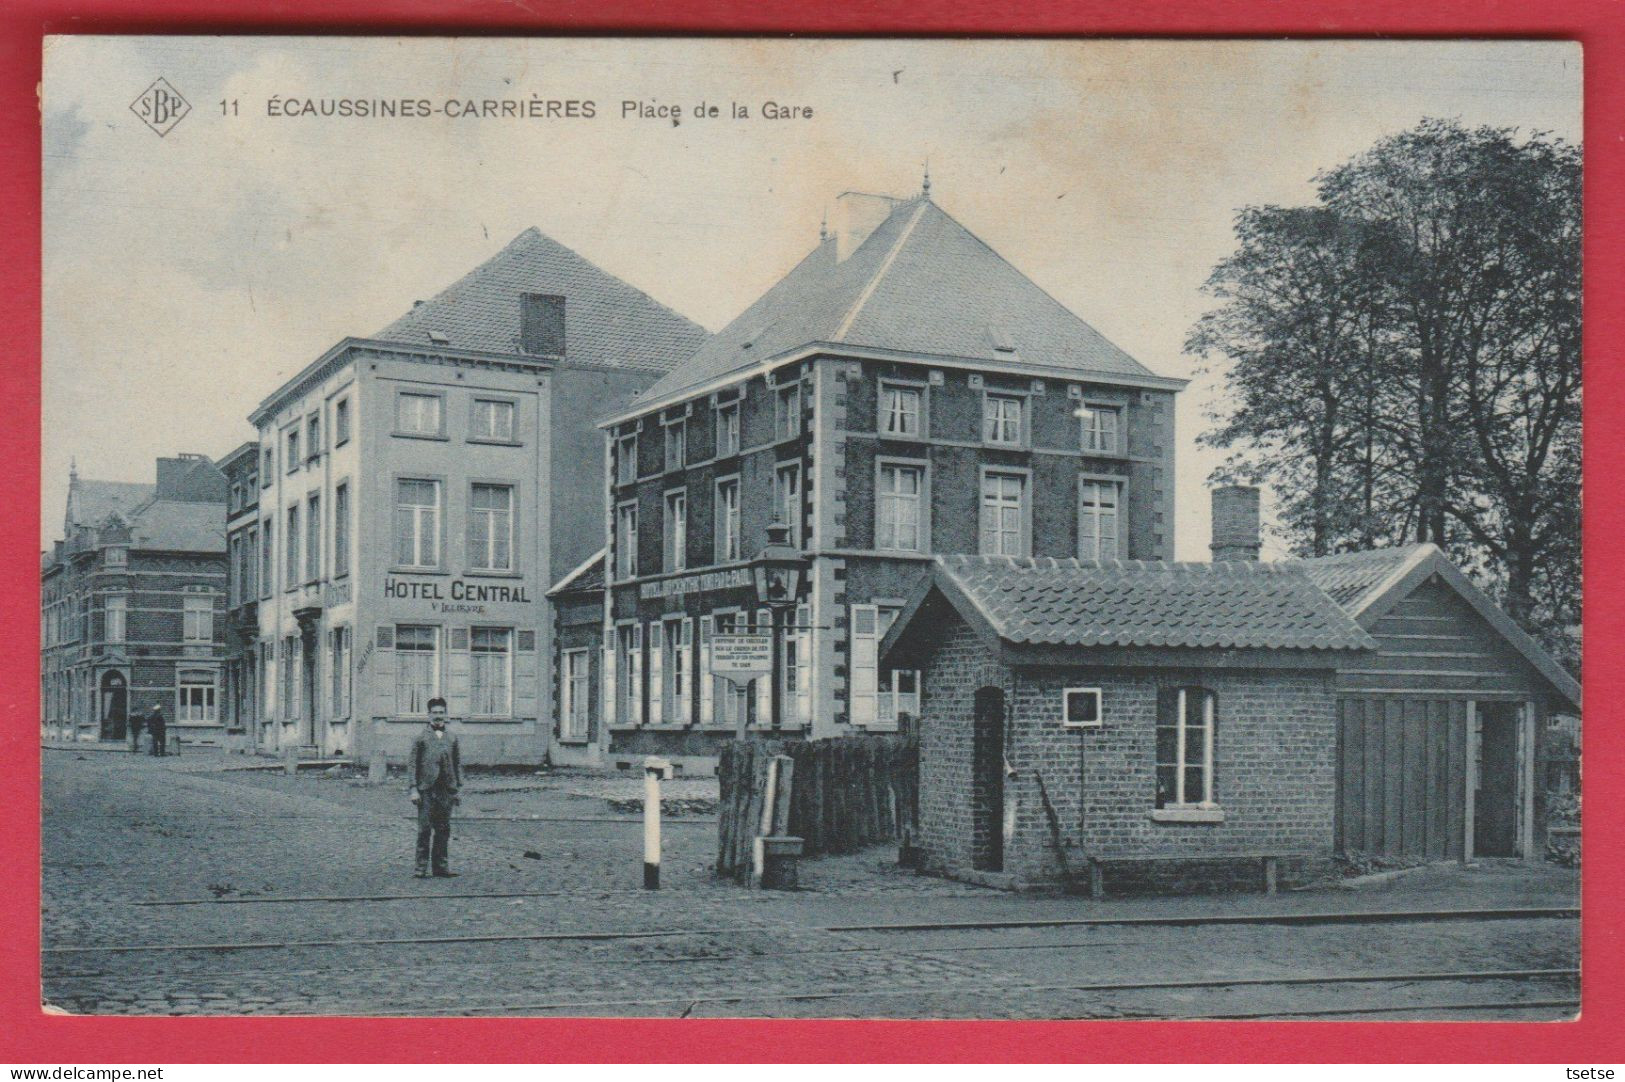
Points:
(987, 782)
(307, 676)
(1495, 805)
(115, 706)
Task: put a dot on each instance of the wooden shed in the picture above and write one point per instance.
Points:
(1438, 731)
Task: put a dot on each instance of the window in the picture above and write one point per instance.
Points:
(876, 697)
(727, 429)
(676, 444)
(417, 523)
(1097, 520)
(290, 545)
(626, 460)
(898, 508)
(313, 539)
(626, 541)
(629, 663)
(787, 411)
(313, 436)
(493, 420)
(787, 503)
(418, 414)
(341, 530)
(674, 529)
(676, 647)
(727, 520)
(1001, 419)
(267, 558)
(491, 670)
(1185, 748)
(251, 564)
(249, 484)
(118, 556)
(116, 605)
(1099, 429)
(900, 410)
(1080, 707)
(197, 698)
(490, 528)
(290, 658)
(1004, 497)
(417, 667)
(574, 691)
(269, 469)
(292, 457)
(340, 643)
(236, 499)
(341, 422)
(197, 618)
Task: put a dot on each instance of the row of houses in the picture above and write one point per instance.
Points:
(546, 497)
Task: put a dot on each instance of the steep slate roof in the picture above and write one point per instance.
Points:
(607, 322)
(1135, 603)
(179, 526)
(90, 502)
(920, 283)
(1369, 584)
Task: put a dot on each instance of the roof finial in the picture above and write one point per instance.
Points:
(73, 468)
(823, 227)
(925, 189)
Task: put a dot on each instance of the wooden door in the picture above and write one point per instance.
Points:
(1402, 776)
(1495, 805)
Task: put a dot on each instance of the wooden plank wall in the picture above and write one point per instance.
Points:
(1402, 776)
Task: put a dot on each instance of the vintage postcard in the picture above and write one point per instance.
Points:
(811, 528)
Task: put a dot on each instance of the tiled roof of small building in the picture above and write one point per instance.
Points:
(179, 526)
(1133, 603)
(920, 283)
(607, 322)
(1352, 579)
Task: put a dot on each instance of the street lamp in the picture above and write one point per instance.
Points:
(777, 573)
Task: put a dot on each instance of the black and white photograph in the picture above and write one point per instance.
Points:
(811, 528)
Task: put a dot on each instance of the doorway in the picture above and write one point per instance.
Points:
(308, 685)
(987, 781)
(115, 704)
(1495, 801)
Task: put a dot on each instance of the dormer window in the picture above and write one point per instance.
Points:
(118, 556)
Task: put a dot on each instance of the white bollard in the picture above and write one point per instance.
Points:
(653, 770)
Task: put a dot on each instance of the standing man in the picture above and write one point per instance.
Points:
(136, 724)
(437, 774)
(159, 729)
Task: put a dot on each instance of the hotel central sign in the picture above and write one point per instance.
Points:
(455, 590)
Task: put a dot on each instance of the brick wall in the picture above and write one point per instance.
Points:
(1275, 770)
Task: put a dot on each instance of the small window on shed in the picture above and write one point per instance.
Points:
(1081, 707)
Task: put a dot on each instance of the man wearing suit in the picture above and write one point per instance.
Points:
(159, 730)
(436, 775)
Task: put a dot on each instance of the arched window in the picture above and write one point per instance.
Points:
(1186, 720)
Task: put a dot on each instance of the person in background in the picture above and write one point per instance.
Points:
(158, 728)
(436, 776)
(138, 722)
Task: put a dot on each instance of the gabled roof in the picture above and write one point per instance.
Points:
(921, 283)
(179, 526)
(1133, 603)
(91, 502)
(588, 578)
(607, 322)
(1369, 584)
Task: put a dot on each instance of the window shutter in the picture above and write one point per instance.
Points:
(803, 658)
(609, 704)
(864, 655)
(657, 697)
(707, 681)
(637, 690)
(764, 684)
(386, 636)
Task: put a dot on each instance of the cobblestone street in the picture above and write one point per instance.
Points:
(191, 885)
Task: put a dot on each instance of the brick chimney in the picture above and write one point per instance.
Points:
(857, 215)
(541, 324)
(1235, 523)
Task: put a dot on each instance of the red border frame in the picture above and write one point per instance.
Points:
(30, 1036)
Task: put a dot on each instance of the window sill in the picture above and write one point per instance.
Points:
(574, 741)
(1187, 815)
(490, 441)
(408, 569)
(492, 573)
(442, 437)
(494, 720)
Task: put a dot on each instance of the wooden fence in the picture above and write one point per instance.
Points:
(844, 794)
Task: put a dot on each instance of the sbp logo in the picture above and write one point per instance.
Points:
(160, 107)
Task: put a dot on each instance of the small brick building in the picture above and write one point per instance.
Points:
(1079, 711)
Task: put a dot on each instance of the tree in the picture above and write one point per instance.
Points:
(1403, 358)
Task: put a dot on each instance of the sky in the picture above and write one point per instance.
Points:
(187, 276)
